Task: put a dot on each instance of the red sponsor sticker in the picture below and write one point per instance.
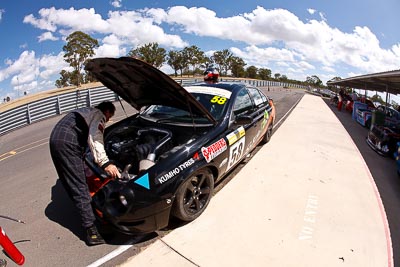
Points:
(213, 150)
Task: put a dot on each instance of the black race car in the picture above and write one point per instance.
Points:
(176, 148)
(383, 139)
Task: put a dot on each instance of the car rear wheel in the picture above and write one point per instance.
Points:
(194, 195)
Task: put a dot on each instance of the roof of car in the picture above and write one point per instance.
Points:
(230, 86)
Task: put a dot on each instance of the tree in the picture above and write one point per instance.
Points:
(377, 98)
(334, 87)
(252, 72)
(64, 80)
(314, 80)
(223, 59)
(78, 50)
(150, 53)
(175, 60)
(277, 76)
(193, 56)
(264, 74)
(237, 66)
(283, 78)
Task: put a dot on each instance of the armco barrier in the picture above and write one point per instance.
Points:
(55, 105)
(52, 106)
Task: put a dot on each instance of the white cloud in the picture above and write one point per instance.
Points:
(2, 11)
(328, 69)
(322, 15)
(27, 70)
(110, 50)
(311, 11)
(130, 27)
(47, 36)
(21, 65)
(51, 19)
(263, 36)
(254, 55)
(52, 65)
(116, 3)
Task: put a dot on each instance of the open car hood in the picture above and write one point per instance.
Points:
(141, 84)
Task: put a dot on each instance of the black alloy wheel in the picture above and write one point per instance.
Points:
(194, 195)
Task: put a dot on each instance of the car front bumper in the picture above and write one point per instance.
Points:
(133, 215)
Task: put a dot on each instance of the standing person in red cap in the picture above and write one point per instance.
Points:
(211, 75)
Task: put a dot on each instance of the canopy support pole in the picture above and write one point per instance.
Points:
(387, 95)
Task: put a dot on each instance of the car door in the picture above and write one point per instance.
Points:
(240, 138)
(263, 108)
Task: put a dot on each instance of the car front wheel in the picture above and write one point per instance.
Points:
(194, 195)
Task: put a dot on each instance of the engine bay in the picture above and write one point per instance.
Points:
(129, 145)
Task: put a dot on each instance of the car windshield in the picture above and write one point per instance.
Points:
(215, 100)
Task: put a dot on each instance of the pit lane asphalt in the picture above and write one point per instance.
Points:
(307, 198)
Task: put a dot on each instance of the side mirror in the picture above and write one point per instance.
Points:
(243, 120)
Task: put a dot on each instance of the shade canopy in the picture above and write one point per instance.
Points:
(382, 82)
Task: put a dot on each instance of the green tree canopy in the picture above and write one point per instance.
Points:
(252, 72)
(223, 60)
(237, 66)
(175, 61)
(150, 53)
(264, 74)
(314, 80)
(194, 57)
(79, 48)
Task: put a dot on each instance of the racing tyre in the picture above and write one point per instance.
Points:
(267, 135)
(194, 195)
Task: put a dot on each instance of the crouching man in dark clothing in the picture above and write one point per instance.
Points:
(69, 139)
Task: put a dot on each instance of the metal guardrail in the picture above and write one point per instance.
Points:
(58, 104)
(51, 106)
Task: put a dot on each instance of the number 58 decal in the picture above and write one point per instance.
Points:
(236, 152)
(218, 99)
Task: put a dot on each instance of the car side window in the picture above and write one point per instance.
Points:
(259, 98)
(256, 96)
(243, 102)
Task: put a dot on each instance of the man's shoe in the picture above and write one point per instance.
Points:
(93, 237)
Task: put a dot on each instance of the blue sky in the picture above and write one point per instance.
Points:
(293, 38)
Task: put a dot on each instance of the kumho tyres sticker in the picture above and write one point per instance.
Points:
(212, 151)
(174, 172)
(236, 135)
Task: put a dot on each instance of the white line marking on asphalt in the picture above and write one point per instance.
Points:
(110, 256)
